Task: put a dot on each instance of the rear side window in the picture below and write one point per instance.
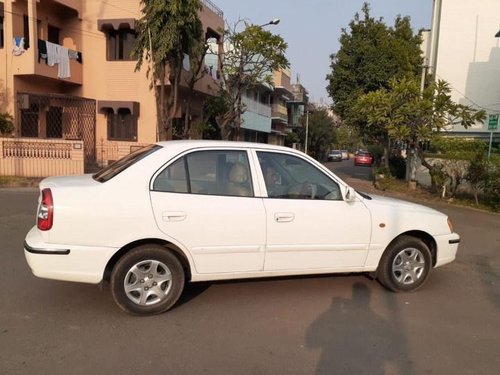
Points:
(119, 166)
(208, 173)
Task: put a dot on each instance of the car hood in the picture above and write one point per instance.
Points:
(378, 200)
(68, 181)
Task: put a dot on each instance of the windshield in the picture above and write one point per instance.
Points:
(107, 173)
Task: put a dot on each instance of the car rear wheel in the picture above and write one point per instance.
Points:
(147, 280)
(405, 265)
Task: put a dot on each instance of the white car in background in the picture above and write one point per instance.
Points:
(206, 210)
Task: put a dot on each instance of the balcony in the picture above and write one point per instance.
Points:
(72, 4)
(75, 69)
(30, 65)
(279, 112)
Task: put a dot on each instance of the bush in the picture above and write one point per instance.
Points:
(492, 185)
(6, 123)
(397, 165)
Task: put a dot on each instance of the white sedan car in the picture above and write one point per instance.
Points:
(206, 210)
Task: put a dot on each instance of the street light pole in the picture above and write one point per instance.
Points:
(274, 21)
(307, 130)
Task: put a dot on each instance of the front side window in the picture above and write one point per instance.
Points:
(122, 126)
(120, 44)
(208, 172)
(290, 177)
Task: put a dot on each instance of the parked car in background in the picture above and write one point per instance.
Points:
(345, 154)
(363, 158)
(335, 155)
(191, 211)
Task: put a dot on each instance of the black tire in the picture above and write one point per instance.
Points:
(405, 265)
(155, 278)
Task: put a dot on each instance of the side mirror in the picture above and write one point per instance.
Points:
(350, 194)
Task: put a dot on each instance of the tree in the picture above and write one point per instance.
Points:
(321, 134)
(196, 72)
(370, 54)
(249, 59)
(407, 115)
(166, 31)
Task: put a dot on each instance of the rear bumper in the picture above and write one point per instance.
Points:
(65, 262)
(447, 246)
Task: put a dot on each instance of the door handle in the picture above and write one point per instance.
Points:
(173, 215)
(284, 217)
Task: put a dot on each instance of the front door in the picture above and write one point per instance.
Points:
(205, 201)
(309, 225)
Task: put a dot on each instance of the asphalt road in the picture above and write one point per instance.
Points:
(345, 324)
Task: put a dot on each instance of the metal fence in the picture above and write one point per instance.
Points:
(58, 116)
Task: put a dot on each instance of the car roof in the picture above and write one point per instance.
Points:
(199, 143)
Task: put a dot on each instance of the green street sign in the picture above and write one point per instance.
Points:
(492, 122)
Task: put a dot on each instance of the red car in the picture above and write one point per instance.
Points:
(363, 158)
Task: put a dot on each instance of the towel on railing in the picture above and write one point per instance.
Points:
(18, 46)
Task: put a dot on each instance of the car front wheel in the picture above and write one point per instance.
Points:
(405, 265)
(147, 280)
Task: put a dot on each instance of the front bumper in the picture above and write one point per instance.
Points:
(447, 246)
(65, 262)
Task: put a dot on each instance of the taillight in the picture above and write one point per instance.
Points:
(46, 211)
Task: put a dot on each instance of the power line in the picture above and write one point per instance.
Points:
(469, 99)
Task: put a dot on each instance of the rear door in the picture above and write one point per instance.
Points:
(205, 201)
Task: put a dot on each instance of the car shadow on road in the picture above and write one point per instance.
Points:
(355, 340)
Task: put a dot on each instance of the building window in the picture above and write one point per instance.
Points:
(26, 32)
(119, 44)
(1, 31)
(122, 126)
(53, 34)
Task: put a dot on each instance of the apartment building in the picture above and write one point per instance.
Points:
(282, 94)
(66, 74)
(463, 48)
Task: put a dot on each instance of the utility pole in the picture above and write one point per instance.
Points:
(307, 129)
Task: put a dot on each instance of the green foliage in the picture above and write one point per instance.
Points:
(457, 148)
(477, 174)
(347, 137)
(371, 53)
(407, 115)
(291, 138)
(6, 123)
(377, 151)
(321, 134)
(492, 185)
(250, 57)
(166, 31)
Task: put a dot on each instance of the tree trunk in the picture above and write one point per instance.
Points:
(387, 148)
(162, 104)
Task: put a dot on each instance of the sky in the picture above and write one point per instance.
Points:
(312, 29)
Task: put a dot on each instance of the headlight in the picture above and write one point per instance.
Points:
(450, 225)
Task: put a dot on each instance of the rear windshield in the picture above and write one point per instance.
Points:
(118, 166)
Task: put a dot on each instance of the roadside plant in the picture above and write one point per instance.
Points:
(6, 123)
(477, 174)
